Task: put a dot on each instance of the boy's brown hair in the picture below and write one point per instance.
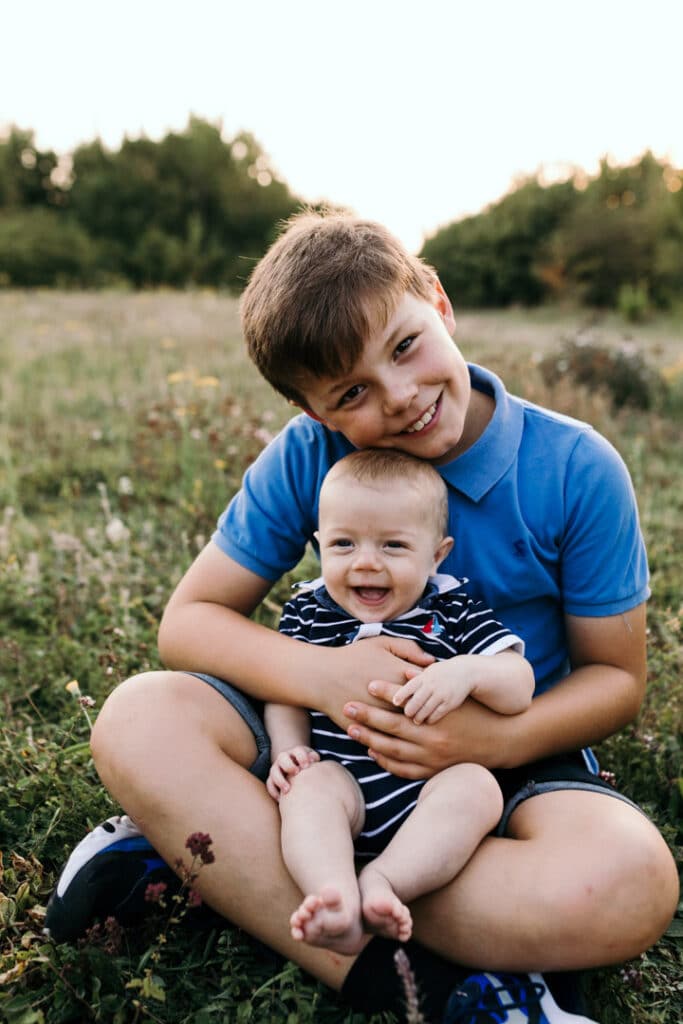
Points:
(381, 465)
(327, 282)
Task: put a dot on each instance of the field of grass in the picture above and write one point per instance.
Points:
(126, 422)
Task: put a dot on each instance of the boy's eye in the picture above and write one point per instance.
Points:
(404, 345)
(351, 394)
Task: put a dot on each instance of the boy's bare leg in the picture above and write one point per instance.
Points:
(455, 810)
(587, 880)
(321, 815)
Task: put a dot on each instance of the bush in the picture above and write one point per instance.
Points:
(633, 302)
(621, 371)
(42, 247)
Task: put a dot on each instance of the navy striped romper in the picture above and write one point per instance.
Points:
(446, 622)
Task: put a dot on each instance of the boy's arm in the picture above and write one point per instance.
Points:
(503, 682)
(206, 628)
(602, 693)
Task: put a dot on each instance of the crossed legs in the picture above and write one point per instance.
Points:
(584, 880)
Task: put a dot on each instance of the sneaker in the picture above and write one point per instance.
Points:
(506, 999)
(106, 875)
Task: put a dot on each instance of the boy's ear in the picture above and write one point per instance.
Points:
(444, 307)
(443, 550)
(318, 419)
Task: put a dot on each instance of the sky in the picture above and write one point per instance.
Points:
(412, 113)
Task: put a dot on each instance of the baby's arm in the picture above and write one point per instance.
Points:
(289, 732)
(503, 682)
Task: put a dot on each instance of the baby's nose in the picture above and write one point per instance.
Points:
(366, 556)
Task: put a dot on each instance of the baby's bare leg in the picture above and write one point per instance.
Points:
(455, 810)
(321, 815)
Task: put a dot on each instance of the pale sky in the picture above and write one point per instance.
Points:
(413, 113)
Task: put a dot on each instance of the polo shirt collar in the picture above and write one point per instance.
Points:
(480, 468)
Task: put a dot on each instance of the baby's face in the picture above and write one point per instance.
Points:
(378, 546)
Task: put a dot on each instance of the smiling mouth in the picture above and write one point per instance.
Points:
(425, 419)
(371, 595)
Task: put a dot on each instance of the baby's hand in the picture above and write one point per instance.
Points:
(286, 765)
(431, 694)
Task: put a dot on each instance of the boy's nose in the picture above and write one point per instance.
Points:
(398, 396)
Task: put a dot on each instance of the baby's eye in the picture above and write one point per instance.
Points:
(342, 542)
(395, 544)
(351, 394)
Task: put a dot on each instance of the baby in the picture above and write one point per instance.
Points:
(382, 534)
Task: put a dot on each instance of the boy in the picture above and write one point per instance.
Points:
(345, 323)
(382, 535)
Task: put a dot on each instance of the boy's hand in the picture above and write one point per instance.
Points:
(470, 733)
(431, 694)
(383, 657)
(286, 765)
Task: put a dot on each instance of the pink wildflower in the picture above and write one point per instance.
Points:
(198, 844)
(155, 891)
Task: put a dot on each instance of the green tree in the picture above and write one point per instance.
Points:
(27, 173)
(495, 258)
(190, 208)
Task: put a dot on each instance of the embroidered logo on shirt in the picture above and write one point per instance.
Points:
(433, 627)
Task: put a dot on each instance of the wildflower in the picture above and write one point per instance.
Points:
(194, 899)
(198, 844)
(73, 688)
(608, 777)
(263, 435)
(64, 541)
(219, 463)
(154, 892)
(405, 973)
(206, 382)
(86, 702)
(125, 485)
(116, 531)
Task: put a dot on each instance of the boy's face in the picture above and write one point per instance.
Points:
(409, 390)
(378, 546)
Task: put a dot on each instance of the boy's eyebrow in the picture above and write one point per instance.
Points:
(387, 342)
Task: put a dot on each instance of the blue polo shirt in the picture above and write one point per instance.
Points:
(542, 512)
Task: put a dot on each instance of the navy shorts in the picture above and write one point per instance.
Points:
(576, 770)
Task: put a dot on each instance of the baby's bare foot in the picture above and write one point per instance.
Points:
(383, 912)
(330, 920)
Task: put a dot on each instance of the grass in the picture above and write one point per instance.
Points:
(126, 422)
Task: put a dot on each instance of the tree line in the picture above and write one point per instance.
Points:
(615, 239)
(197, 209)
(191, 209)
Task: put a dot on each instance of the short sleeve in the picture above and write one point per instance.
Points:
(604, 563)
(268, 523)
(474, 628)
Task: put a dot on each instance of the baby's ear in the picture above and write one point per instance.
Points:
(443, 550)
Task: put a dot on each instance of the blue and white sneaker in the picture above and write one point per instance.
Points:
(506, 999)
(106, 875)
